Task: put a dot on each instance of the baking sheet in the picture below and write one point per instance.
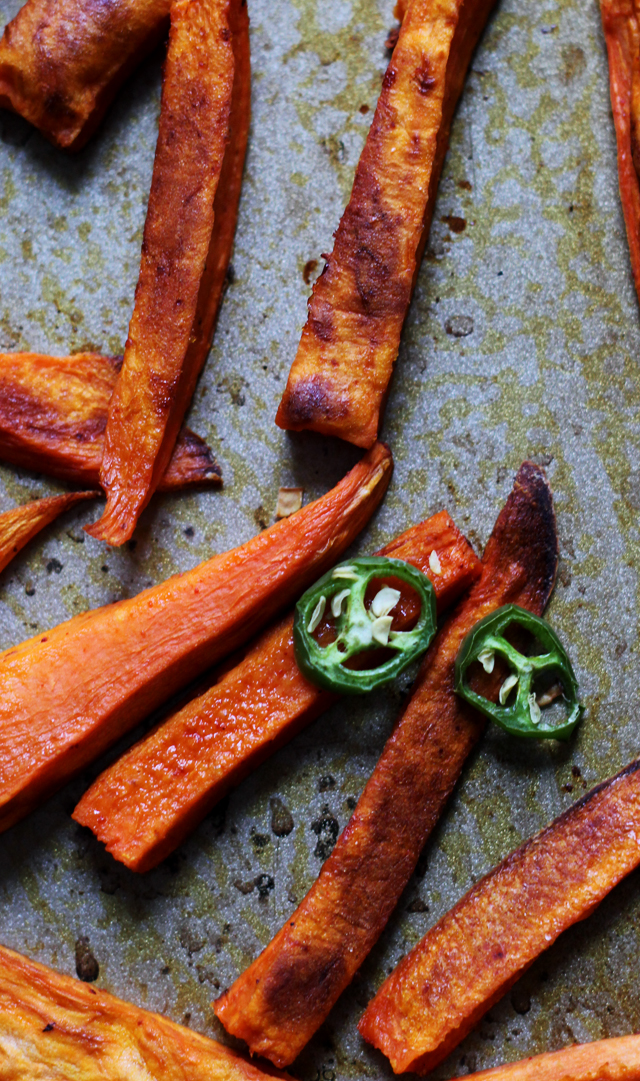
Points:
(539, 279)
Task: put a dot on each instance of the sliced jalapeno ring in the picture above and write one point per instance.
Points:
(518, 709)
(359, 629)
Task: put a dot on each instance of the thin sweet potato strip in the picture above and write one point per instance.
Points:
(19, 525)
(62, 63)
(188, 234)
(622, 36)
(144, 805)
(339, 378)
(53, 413)
(52, 1026)
(285, 995)
(617, 1059)
(479, 949)
(68, 694)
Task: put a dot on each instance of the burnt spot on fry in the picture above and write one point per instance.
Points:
(322, 327)
(313, 399)
(310, 268)
(87, 968)
(289, 985)
(389, 79)
(423, 78)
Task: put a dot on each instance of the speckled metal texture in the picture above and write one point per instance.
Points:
(522, 341)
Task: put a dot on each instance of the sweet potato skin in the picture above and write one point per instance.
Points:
(60, 705)
(185, 252)
(478, 950)
(61, 64)
(622, 36)
(144, 805)
(53, 413)
(339, 378)
(617, 1059)
(19, 525)
(283, 997)
(56, 1027)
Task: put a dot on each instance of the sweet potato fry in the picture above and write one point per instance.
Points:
(19, 525)
(284, 996)
(479, 949)
(61, 64)
(144, 805)
(339, 378)
(622, 36)
(188, 235)
(617, 1059)
(68, 694)
(52, 1026)
(53, 413)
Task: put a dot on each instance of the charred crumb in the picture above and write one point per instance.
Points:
(245, 887)
(309, 270)
(264, 886)
(259, 840)
(87, 968)
(260, 517)
(326, 829)
(189, 531)
(417, 905)
(190, 941)
(459, 326)
(325, 782)
(54, 566)
(29, 588)
(281, 817)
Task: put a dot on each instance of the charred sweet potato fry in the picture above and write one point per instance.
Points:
(56, 1027)
(61, 64)
(477, 951)
(622, 35)
(67, 694)
(340, 375)
(617, 1059)
(285, 995)
(144, 805)
(19, 525)
(53, 413)
(188, 235)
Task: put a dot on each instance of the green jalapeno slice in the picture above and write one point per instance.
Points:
(518, 709)
(360, 629)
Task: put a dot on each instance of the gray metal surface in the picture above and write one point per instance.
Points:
(540, 274)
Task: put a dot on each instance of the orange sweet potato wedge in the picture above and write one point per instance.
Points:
(188, 235)
(62, 63)
(340, 375)
(617, 1059)
(479, 949)
(144, 805)
(53, 413)
(68, 694)
(284, 996)
(52, 1026)
(19, 525)
(622, 36)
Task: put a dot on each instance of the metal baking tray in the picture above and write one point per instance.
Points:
(528, 256)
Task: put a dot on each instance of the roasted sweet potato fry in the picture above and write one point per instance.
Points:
(53, 413)
(19, 525)
(68, 694)
(477, 951)
(144, 805)
(340, 375)
(622, 35)
(605, 1060)
(188, 235)
(285, 995)
(52, 1026)
(61, 64)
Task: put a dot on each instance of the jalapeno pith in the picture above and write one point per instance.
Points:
(358, 629)
(524, 716)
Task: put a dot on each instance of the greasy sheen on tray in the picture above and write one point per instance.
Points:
(188, 235)
(55, 1027)
(53, 413)
(340, 376)
(278, 1003)
(62, 63)
(148, 801)
(69, 693)
(441, 989)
